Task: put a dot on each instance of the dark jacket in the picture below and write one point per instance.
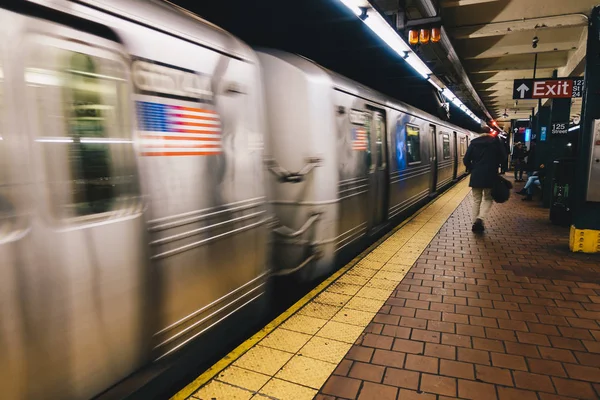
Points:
(482, 159)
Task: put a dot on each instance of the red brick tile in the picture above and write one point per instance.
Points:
(583, 323)
(417, 304)
(475, 390)
(543, 329)
(577, 389)
(589, 359)
(548, 396)
(387, 319)
(506, 393)
(408, 346)
(425, 336)
(583, 373)
(457, 369)
(343, 368)
(440, 351)
(401, 378)
(431, 315)
(504, 305)
(484, 321)
(508, 361)
(522, 349)
(553, 320)
(440, 326)
(523, 316)
(359, 353)
(396, 331)
(456, 340)
(533, 338)
(406, 394)
(546, 367)
(502, 315)
(421, 363)
(442, 307)
(593, 347)
(388, 358)
(473, 356)
(456, 318)
(495, 375)
(378, 341)
(488, 344)
(557, 354)
(566, 343)
(366, 372)
(403, 311)
(500, 334)
(576, 333)
(526, 380)
(413, 322)
(374, 327)
(470, 330)
(375, 391)
(341, 387)
(323, 397)
(468, 310)
(438, 384)
(513, 325)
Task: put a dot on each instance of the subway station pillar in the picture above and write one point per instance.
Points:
(585, 230)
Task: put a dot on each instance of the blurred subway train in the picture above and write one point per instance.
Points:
(156, 174)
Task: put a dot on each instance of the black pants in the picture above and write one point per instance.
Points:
(519, 171)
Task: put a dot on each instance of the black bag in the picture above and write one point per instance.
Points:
(501, 189)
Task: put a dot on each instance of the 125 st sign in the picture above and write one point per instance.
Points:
(525, 89)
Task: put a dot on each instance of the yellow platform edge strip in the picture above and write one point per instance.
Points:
(236, 353)
(584, 240)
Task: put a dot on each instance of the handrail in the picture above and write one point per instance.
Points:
(290, 271)
(288, 233)
(284, 175)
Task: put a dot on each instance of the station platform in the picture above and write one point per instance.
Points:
(433, 311)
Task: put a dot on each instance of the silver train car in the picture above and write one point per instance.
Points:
(155, 175)
(363, 159)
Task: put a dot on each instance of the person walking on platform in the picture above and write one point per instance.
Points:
(518, 158)
(504, 163)
(483, 156)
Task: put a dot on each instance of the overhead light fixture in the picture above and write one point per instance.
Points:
(385, 32)
(574, 128)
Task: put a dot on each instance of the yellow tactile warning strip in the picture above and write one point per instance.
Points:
(292, 357)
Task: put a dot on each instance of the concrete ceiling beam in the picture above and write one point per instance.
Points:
(508, 27)
(460, 3)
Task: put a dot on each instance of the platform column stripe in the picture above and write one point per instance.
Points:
(391, 256)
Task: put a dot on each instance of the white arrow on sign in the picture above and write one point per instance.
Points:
(523, 88)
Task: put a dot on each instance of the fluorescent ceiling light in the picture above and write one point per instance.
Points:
(418, 65)
(574, 128)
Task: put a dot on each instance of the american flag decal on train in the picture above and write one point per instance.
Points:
(359, 139)
(168, 130)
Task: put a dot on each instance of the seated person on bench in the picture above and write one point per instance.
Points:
(533, 181)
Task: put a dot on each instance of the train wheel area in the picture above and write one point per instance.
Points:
(434, 311)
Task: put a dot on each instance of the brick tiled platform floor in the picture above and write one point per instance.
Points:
(510, 314)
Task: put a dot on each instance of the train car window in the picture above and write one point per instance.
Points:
(379, 135)
(89, 159)
(6, 212)
(446, 146)
(463, 146)
(368, 154)
(413, 144)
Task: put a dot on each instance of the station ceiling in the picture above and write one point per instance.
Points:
(494, 38)
(486, 44)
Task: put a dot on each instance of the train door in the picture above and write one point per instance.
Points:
(455, 156)
(83, 267)
(433, 158)
(379, 169)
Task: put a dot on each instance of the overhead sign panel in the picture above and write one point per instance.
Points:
(527, 89)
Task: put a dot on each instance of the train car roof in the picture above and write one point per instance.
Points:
(176, 21)
(352, 87)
